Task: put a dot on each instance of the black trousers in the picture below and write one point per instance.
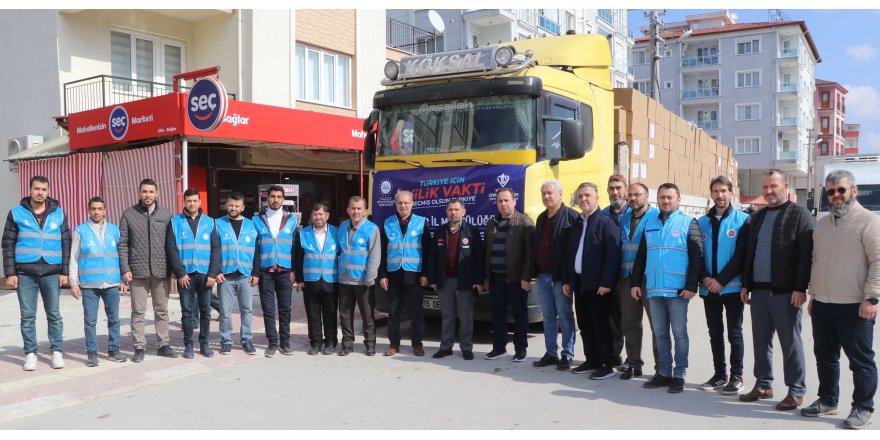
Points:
(716, 307)
(276, 287)
(412, 294)
(321, 304)
(365, 298)
(592, 312)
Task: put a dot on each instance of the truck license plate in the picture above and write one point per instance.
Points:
(431, 303)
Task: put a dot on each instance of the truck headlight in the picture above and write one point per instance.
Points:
(504, 55)
(392, 69)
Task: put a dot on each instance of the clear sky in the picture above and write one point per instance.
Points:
(849, 44)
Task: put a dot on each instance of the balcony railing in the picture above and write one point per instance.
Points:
(787, 121)
(548, 24)
(105, 90)
(788, 87)
(699, 93)
(785, 53)
(707, 125)
(786, 155)
(606, 15)
(699, 61)
(408, 38)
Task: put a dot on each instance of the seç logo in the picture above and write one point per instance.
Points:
(207, 104)
(118, 123)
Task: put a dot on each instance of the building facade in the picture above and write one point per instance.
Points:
(831, 115)
(851, 138)
(748, 85)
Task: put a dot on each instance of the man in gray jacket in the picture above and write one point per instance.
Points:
(144, 266)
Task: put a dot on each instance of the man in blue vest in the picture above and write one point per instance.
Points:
(314, 257)
(193, 249)
(632, 228)
(239, 263)
(670, 256)
(94, 275)
(616, 209)
(360, 255)
(36, 252)
(725, 231)
(277, 229)
(406, 243)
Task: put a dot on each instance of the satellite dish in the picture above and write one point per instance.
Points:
(436, 21)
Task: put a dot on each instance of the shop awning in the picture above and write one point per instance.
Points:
(59, 146)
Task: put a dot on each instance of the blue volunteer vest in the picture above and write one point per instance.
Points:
(194, 251)
(236, 253)
(629, 248)
(275, 250)
(98, 262)
(667, 264)
(607, 211)
(728, 232)
(34, 243)
(353, 255)
(404, 250)
(319, 263)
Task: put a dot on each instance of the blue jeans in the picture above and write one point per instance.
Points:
(90, 300)
(236, 287)
(28, 287)
(197, 294)
(555, 305)
(666, 313)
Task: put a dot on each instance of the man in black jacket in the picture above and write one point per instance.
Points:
(777, 274)
(455, 272)
(550, 230)
(590, 270)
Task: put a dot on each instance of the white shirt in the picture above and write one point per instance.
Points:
(274, 217)
(321, 237)
(578, 260)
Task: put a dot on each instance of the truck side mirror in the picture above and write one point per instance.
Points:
(370, 149)
(369, 121)
(572, 139)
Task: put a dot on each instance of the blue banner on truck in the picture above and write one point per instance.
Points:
(432, 189)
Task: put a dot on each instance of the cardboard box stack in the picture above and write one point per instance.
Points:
(665, 148)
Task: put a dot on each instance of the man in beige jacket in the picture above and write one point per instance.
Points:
(845, 290)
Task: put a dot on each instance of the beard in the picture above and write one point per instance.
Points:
(619, 203)
(840, 212)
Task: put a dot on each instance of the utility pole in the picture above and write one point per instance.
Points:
(655, 41)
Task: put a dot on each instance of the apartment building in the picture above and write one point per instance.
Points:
(831, 113)
(851, 138)
(748, 85)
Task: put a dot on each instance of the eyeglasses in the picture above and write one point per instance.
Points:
(839, 190)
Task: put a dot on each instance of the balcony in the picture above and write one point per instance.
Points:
(787, 53)
(707, 125)
(105, 90)
(793, 162)
(408, 38)
(787, 121)
(699, 61)
(699, 93)
(548, 24)
(489, 17)
(606, 15)
(786, 155)
(788, 87)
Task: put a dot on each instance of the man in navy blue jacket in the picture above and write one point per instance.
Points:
(590, 270)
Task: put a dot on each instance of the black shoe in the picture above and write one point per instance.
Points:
(285, 349)
(188, 351)
(602, 373)
(733, 386)
(371, 351)
(657, 381)
(167, 351)
(270, 350)
(116, 356)
(584, 368)
(248, 347)
(225, 349)
(676, 385)
(546, 360)
(344, 351)
(441, 354)
(495, 354)
(564, 363)
(330, 349)
(631, 372)
(205, 349)
(314, 349)
(468, 355)
(717, 381)
(519, 356)
(138, 355)
(92, 360)
(617, 362)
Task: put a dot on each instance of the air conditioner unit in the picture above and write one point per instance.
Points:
(22, 143)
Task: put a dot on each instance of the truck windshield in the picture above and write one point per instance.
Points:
(869, 198)
(472, 124)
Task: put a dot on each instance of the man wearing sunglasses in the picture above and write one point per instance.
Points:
(844, 291)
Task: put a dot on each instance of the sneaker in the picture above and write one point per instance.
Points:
(519, 356)
(225, 349)
(138, 355)
(676, 385)
(715, 382)
(313, 349)
(30, 362)
(344, 351)
(733, 386)
(285, 349)
(564, 363)
(167, 351)
(270, 350)
(468, 355)
(546, 361)
(187, 351)
(57, 360)
(496, 353)
(371, 351)
(92, 359)
(328, 350)
(116, 356)
(584, 368)
(858, 418)
(441, 354)
(657, 381)
(248, 347)
(818, 408)
(205, 349)
(602, 373)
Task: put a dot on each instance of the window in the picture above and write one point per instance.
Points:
(748, 46)
(825, 98)
(643, 86)
(323, 77)
(748, 112)
(606, 15)
(748, 79)
(640, 57)
(824, 124)
(824, 148)
(143, 57)
(748, 145)
(559, 108)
